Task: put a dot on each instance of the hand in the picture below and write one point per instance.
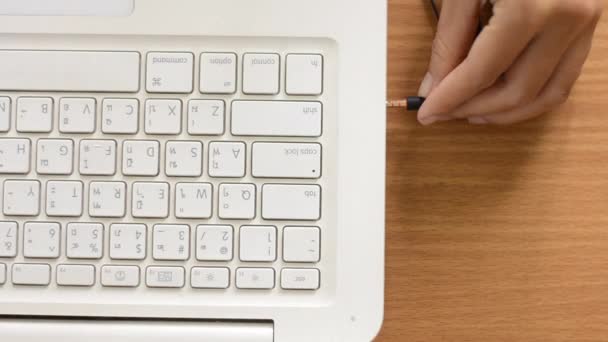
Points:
(524, 62)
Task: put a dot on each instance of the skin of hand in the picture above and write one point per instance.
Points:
(524, 62)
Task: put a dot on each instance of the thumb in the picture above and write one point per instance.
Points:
(456, 32)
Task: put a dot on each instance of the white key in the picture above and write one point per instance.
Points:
(120, 116)
(97, 157)
(84, 240)
(41, 239)
(227, 159)
(237, 201)
(277, 118)
(128, 241)
(75, 275)
(80, 71)
(77, 115)
(214, 243)
(55, 156)
(261, 73)
(163, 117)
(31, 274)
(258, 243)
(107, 199)
(286, 160)
(64, 198)
(5, 114)
(169, 72)
(218, 73)
(291, 202)
(193, 200)
(8, 239)
(165, 276)
(184, 158)
(301, 244)
(21, 198)
(150, 200)
(171, 242)
(210, 277)
(34, 114)
(304, 74)
(206, 117)
(2, 274)
(300, 279)
(120, 276)
(255, 278)
(15, 155)
(140, 157)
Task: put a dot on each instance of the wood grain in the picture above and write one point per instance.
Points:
(495, 234)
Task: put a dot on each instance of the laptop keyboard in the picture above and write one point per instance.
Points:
(147, 169)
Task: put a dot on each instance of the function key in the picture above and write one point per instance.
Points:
(304, 74)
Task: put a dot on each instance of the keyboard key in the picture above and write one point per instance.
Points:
(291, 202)
(75, 275)
(5, 114)
(55, 156)
(15, 156)
(163, 117)
(128, 241)
(97, 157)
(210, 277)
(304, 74)
(277, 118)
(261, 73)
(165, 276)
(258, 243)
(301, 244)
(89, 71)
(206, 117)
(41, 240)
(107, 199)
(2, 274)
(120, 276)
(140, 157)
(8, 239)
(64, 198)
(227, 159)
(169, 72)
(237, 201)
(218, 73)
(21, 198)
(300, 279)
(77, 115)
(34, 114)
(120, 116)
(150, 200)
(214, 243)
(184, 158)
(255, 278)
(171, 242)
(84, 240)
(193, 200)
(286, 160)
(31, 274)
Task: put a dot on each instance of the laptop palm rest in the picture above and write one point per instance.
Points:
(50, 330)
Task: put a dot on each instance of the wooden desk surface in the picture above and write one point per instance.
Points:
(495, 234)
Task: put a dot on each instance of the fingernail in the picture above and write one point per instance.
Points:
(478, 120)
(429, 120)
(426, 85)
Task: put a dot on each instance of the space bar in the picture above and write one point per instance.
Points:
(82, 71)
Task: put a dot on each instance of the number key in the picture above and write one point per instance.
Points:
(8, 239)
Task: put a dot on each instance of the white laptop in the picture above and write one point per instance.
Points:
(192, 170)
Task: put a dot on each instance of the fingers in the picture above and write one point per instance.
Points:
(455, 34)
(526, 78)
(557, 89)
(498, 46)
